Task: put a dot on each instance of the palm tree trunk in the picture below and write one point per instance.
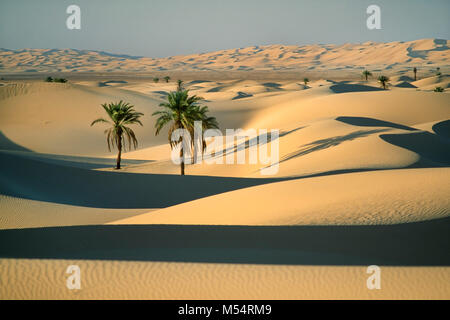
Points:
(119, 147)
(182, 159)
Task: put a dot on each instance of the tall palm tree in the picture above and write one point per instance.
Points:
(367, 74)
(415, 73)
(384, 81)
(120, 115)
(180, 111)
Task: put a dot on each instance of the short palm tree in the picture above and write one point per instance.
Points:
(120, 115)
(415, 73)
(367, 74)
(167, 78)
(305, 81)
(180, 111)
(155, 80)
(207, 123)
(180, 85)
(384, 81)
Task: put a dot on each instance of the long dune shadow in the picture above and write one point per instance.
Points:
(411, 244)
(347, 87)
(370, 122)
(36, 180)
(257, 140)
(75, 161)
(323, 144)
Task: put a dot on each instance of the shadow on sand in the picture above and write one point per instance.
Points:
(328, 143)
(434, 151)
(7, 144)
(348, 87)
(27, 178)
(370, 122)
(411, 244)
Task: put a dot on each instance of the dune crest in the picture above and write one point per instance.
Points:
(392, 56)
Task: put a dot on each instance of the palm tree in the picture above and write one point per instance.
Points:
(415, 73)
(180, 111)
(305, 81)
(155, 80)
(120, 115)
(167, 78)
(207, 123)
(367, 74)
(438, 71)
(384, 81)
(180, 85)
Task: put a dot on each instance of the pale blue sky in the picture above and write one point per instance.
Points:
(159, 28)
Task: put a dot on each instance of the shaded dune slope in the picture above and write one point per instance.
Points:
(37, 180)
(416, 244)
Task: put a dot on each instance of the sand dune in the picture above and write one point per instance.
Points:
(363, 177)
(345, 199)
(396, 56)
(18, 213)
(194, 262)
(169, 280)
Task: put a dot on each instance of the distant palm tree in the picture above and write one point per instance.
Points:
(180, 85)
(384, 81)
(438, 71)
(155, 80)
(181, 110)
(167, 78)
(120, 114)
(438, 89)
(305, 81)
(415, 73)
(367, 74)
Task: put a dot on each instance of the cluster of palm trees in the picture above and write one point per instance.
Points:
(383, 80)
(181, 111)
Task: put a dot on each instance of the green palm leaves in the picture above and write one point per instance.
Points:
(366, 74)
(120, 115)
(383, 80)
(180, 112)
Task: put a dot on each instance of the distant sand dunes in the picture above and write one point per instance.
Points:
(396, 56)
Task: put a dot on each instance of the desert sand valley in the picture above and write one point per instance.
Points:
(363, 179)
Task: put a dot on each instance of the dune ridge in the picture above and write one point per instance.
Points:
(395, 56)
